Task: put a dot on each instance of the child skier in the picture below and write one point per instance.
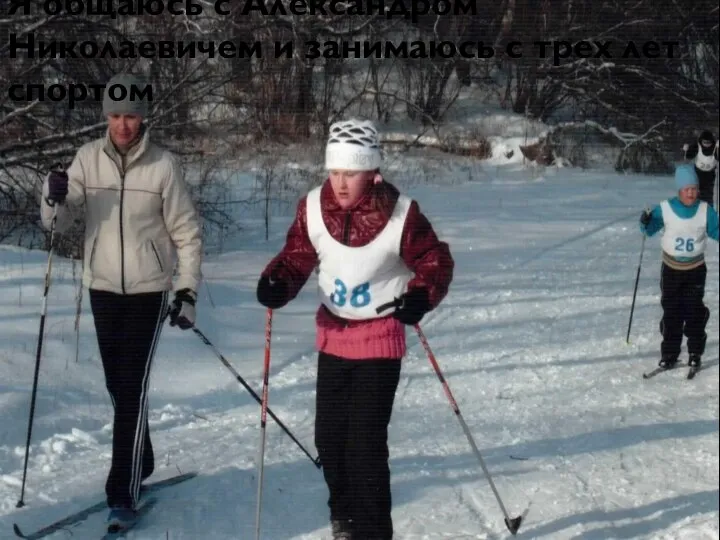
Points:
(688, 222)
(704, 154)
(367, 241)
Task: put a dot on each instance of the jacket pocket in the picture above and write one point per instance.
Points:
(146, 268)
(158, 259)
(91, 257)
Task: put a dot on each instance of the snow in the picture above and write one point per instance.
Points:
(531, 340)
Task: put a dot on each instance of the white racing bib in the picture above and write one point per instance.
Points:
(354, 281)
(684, 238)
(703, 162)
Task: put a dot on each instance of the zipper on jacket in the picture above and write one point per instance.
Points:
(346, 241)
(346, 229)
(122, 242)
(122, 170)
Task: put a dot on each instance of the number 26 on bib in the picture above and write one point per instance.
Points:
(684, 244)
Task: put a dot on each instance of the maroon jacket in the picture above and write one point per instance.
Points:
(422, 251)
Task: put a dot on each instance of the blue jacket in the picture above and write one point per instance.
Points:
(682, 211)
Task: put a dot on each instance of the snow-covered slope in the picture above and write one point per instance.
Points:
(531, 339)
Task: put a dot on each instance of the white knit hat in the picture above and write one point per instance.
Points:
(353, 146)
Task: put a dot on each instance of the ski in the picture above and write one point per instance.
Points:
(72, 519)
(83, 514)
(656, 371)
(115, 533)
(692, 371)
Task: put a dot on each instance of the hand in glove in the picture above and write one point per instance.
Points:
(646, 218)
(414, 304)
(272, 292)
(686, 147)
(182, 311)
(57, 187)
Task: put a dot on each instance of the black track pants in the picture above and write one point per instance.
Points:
(128, 329)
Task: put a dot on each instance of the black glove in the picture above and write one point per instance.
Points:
(182, 310)
(414, 304)
(272, 292)
(646, 218)
(57, 187)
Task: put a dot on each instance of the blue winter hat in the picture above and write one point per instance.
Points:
(685, 175)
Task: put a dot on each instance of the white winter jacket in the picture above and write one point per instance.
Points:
(139, 218)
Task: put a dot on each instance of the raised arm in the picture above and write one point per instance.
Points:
(71, 207)
(297, 259)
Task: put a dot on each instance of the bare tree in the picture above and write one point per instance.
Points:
(225, 105)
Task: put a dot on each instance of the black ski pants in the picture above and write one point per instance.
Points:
(706, 186)
(354, 401)
(683, 310)
(128, 329)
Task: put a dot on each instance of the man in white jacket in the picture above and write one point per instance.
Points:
(139, 222)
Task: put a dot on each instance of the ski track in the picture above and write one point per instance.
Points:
(531, 340)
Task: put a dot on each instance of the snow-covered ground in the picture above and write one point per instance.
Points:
(531, 339)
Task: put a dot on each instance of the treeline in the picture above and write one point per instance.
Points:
(215, 94)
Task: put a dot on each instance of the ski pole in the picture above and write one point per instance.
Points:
(78, 311)
(238, 377)
(263, 419)
(637, 279)
(38, 354)
(513, 524)
(716, 191)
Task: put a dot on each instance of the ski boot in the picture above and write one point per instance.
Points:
(668, 361)
(120, 518)
(694, 361)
